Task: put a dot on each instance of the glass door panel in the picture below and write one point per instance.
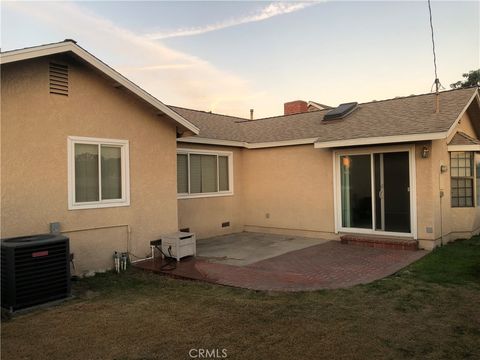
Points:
(356, 191)
(396, 192)
(392, 192)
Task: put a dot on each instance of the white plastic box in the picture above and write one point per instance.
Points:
(181, 244)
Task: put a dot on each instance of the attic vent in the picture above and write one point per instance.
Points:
(341, 111)
(58, 75)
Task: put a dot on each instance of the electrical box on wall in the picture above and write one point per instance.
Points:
(55, 227)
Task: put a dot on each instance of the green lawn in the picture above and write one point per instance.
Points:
(430, 310)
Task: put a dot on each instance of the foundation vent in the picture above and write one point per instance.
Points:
(58, 76)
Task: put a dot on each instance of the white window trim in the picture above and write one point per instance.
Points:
(229, 155)
(337, 191)
(475, 203)
(125, 173)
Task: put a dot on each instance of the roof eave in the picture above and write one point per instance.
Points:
(69, 46)
(247, 145)
(457, 120)
(380, 140)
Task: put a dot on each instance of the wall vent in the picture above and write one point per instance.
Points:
(226, 224)
(58, 76)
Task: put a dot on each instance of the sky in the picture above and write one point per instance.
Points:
(229, 57)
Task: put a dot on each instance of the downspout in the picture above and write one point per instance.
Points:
(441, 204)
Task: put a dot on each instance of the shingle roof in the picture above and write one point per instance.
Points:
(400, 116)
(461, 138)
(214, 126)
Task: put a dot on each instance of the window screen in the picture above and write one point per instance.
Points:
(182, 173)
(223, 173)
(111, 168)
(86, 173)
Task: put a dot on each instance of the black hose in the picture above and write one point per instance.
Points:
(170, 261)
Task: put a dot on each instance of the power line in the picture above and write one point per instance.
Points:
(436, 82)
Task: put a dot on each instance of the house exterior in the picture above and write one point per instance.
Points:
(84, 148)
(392, 168)
(60, 109)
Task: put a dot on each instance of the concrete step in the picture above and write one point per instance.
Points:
(380, 242)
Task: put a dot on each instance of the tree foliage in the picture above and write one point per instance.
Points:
(472, 78)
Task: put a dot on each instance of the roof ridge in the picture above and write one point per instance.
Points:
(209, 112)
(36, 46)
(417, 95)
(367, 102)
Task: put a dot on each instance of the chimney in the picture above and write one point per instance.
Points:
(295, 107)
(251, 114)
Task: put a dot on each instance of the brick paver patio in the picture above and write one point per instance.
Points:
(326, 266)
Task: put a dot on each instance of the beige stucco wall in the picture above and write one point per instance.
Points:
(205, 216)
(35, 126)
(289, 190)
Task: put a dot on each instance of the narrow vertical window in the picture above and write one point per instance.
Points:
(195, 173)
(223, 180)
(182, 173)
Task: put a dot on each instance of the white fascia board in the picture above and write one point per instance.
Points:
(454, 125)
(380, 140)
(246, 145)
(51, 49)
(281, 143)
(34, 52)
(452, 148)
(205, 141)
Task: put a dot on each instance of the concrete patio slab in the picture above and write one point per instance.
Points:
(246, 248)
(328, 265)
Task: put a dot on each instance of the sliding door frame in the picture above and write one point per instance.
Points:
(337, 189)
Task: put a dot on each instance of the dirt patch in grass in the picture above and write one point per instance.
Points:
(414, 314)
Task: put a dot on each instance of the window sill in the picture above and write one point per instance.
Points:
(98, 205)
(205, 195)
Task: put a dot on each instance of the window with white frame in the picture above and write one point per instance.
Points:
(98, 173)
(204, 173)
(462, 173)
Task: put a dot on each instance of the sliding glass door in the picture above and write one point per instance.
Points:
(375, 192)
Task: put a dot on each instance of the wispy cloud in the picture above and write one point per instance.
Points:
(267, 12)
(172, 76)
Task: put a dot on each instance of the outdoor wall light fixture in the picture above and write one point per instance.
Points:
(425, 152)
